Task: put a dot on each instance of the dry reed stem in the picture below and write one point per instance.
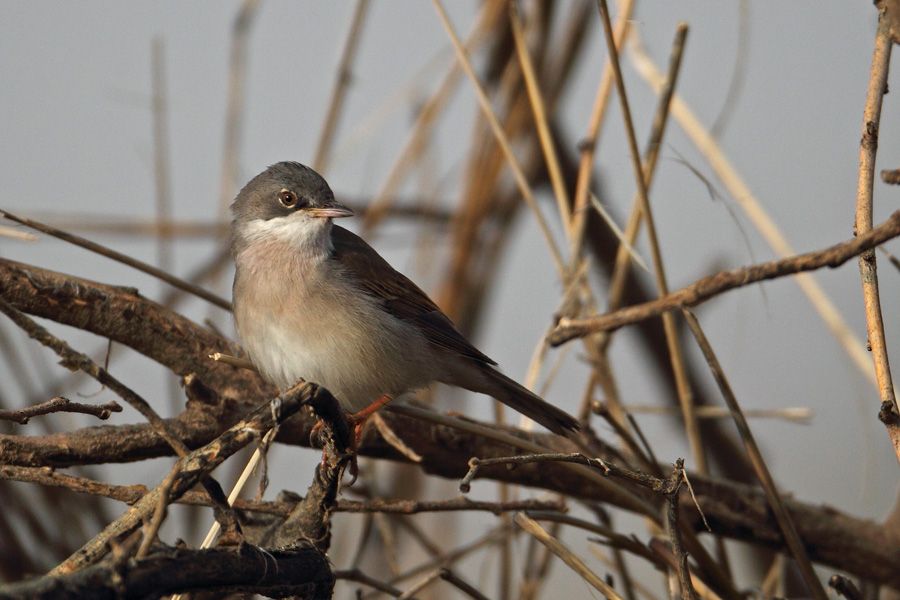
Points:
(685, 395)
(576, 276)
(162, 177)
(785, 522)
(501, 138)
(401, 97)
(341, 85)
(532, 527)
(122, 258)
(411, 152)
(792, 414)
(420, 585)
(15, 234)
(415, 143)
(868, 146)
(612, 539)
(754, 210)
(589, 143)
(617, 282)
(651, 159)
(713, 285)
(234, 107)
(540, 118)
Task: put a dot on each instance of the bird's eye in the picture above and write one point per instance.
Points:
(287, 198)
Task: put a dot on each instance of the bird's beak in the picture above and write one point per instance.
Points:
(331, 211)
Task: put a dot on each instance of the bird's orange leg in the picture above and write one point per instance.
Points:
(358, 420)
(360, 417)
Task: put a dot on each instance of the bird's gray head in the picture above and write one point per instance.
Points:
(287, 202)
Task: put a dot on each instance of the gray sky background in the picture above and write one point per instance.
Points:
(74, 107)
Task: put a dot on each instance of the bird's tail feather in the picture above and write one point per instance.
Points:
(531, 405)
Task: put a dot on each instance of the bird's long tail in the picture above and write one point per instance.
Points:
(520, 399)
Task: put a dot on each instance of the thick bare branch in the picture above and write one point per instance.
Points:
(302, 571)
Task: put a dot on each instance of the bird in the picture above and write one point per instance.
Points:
(314, 301)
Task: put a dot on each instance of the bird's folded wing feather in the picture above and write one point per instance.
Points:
(400, 296)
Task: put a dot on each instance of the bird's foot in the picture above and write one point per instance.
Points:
(358, 421)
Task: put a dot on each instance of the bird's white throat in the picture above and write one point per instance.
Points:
(308, 235)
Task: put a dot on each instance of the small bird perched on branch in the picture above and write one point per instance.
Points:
(312, 300)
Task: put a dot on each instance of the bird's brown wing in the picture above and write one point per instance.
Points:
(400, 296)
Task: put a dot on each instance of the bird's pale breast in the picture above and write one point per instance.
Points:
(301, 317)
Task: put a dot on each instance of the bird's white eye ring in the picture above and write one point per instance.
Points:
(287, 198)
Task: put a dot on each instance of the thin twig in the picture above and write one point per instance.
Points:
(234, 106)
(461, 584)
(540, 117)
(75, 360)
(589, 144)
(191, 469)
(465, 484)
(122, 258)
(650, 161)
(360, 577)
(626, 496)
(502, 140)
(532, 527)
(868, 145)
(57, 405)
(132, 493)
(891, 258)
(452, 556)
(681, 558)
(785, 522)
(234, 361)
(639, 586)
(708, 287)
(679, 369)
(341, 85)
(610, 537)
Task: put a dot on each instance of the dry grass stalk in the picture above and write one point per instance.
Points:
(540, 118)
(754, 210)
(234, 107)
(785, 522)
(502, 140)
(685, 396)
(122, 258)
(532, 527)
(589, 143)
(342, 81)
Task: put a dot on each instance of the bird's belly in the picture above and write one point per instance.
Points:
(343, 341)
